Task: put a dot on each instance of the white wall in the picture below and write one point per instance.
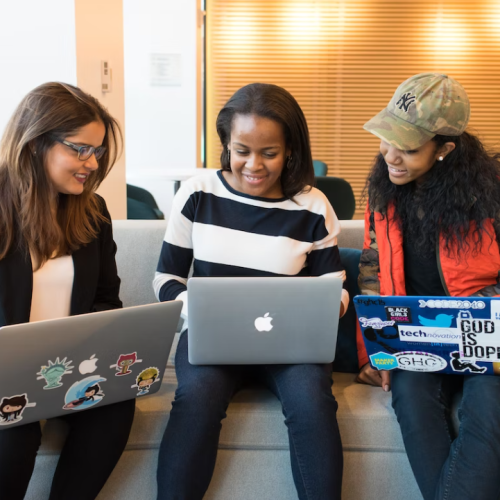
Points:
(37, 45)
(161, 98)
(99, 36)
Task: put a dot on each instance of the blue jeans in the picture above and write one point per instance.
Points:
(447, 466)
(189, 447)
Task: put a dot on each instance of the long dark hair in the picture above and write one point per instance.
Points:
(273, 102)
(49, 112)
(461, 189)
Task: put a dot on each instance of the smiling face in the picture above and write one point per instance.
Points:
(258, 155)
(407, 166)
(66, 172)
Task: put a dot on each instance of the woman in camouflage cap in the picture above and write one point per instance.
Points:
(432, 227)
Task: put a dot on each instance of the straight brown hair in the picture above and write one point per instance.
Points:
(48, 113)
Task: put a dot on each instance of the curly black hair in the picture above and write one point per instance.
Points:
(276, 103)
(461, 190)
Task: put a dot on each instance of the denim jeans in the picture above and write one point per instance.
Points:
(448, 466)
(189, 447)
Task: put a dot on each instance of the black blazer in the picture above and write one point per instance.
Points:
(96, 284)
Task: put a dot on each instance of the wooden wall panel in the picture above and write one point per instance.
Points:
(342, 60)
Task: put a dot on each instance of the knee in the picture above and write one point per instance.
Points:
(208, 400)
(311, 408)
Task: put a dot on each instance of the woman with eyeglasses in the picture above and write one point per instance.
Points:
(57, 259)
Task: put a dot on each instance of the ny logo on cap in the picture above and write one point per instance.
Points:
(406, 100)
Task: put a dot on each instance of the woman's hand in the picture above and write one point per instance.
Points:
(367, 375)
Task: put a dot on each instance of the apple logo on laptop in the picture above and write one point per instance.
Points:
(263, 323)
(89, 365)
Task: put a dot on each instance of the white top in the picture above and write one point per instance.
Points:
(52, 288)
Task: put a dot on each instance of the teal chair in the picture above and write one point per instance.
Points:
(320, 167)
(141, 204)
(340, 195)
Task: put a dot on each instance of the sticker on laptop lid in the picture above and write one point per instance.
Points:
(53, 372)
(84, 393)
(383, 361)
(146, 379)
(12, 408)
(416, 361)
(495, 309)
(399, 314)
(124, 362)
(376, 323)
(480, 339)
(440, 321)
(451, 304)
(429, 335)
(460, 365)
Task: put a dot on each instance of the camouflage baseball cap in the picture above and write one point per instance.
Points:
(423, 106)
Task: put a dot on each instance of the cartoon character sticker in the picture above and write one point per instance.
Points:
(460, 365)
(11, 409)
(146, 379)
(84, 393)
(125, 361)
(53, 373)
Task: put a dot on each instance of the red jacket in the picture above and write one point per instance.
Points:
(381, 268)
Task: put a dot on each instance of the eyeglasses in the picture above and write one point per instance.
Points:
(85, 152)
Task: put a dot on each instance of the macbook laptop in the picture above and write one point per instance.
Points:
(55, 367)
(263, 320)
(457, 335)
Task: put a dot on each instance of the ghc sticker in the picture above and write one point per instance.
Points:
(415, 361)
(383, 361)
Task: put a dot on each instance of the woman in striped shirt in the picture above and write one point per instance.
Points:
(257, 216)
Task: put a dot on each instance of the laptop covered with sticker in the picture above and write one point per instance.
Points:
(454, 335)
(55, 367)
(263, 320)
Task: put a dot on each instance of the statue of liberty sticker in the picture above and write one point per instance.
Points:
(53, 372)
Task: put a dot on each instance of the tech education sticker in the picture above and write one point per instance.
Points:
(399, 314)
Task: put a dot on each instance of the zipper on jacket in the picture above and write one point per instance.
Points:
(440, 269)
(390, 254)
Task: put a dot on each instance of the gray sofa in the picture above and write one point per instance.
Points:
(253, 460)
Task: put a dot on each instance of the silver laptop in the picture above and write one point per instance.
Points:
(263, 320)
(56, 367)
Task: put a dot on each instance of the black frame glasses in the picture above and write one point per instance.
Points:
(85, 152)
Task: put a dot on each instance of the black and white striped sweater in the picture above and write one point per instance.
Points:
(222, 232)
